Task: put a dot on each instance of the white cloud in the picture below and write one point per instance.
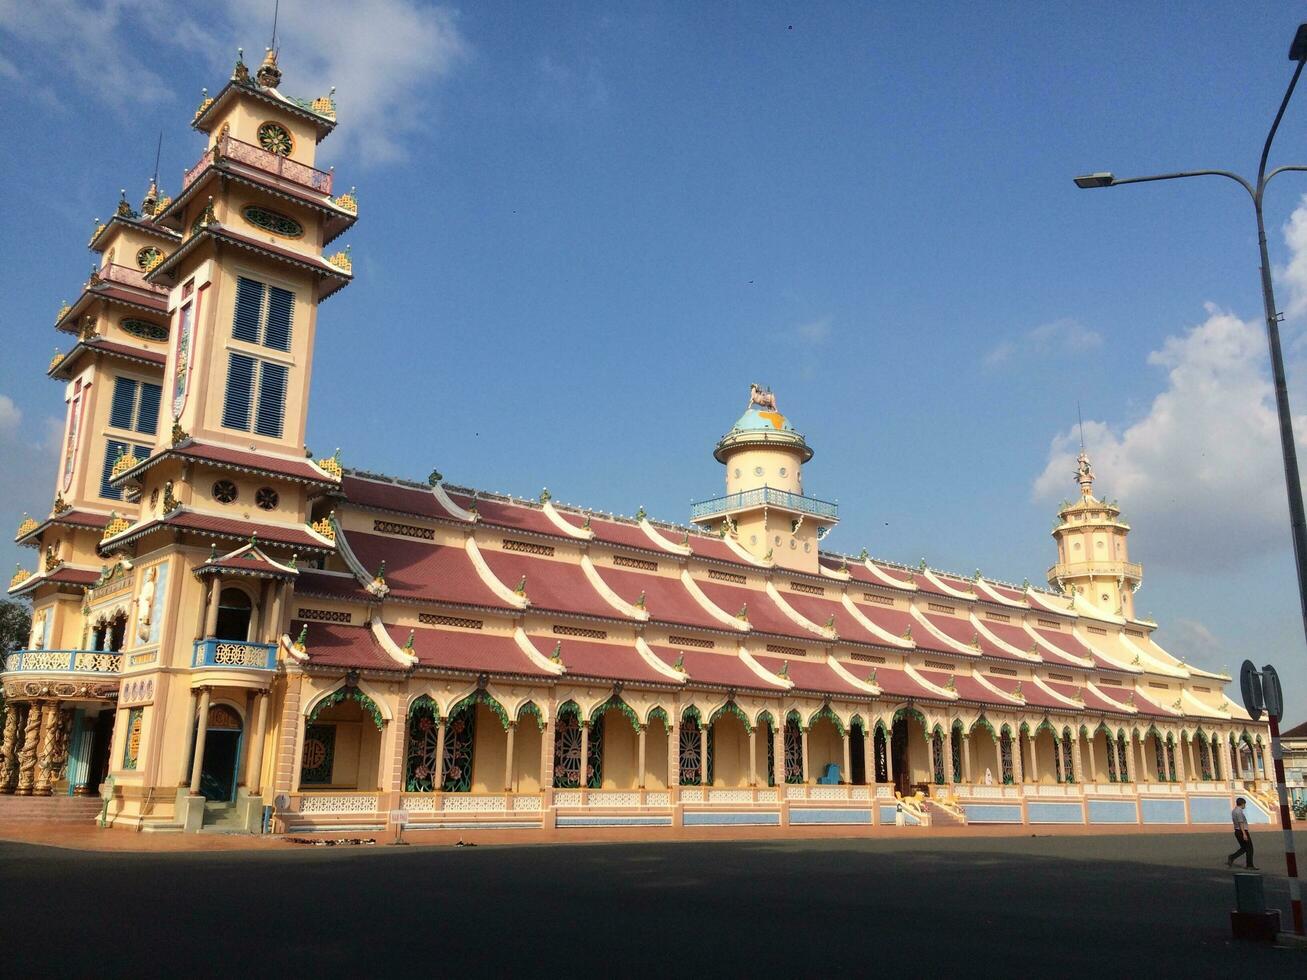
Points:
(30, 451)
(814, 331)
(382, 55)
(1056, 338)
(10, 417)
(1201, 471)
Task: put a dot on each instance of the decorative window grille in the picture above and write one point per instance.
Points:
(404, 530)
(1205, 759)
(691, 641)
(580, 631)
(869, 658)
(595, 754)
(135, 405)
(1005, 757)
(771, 754)
(1048, 624)
(785, 651)
(1159, 760)
(459, 732)
(793, 752)
(878, 750)
(937, 665)
(1066, 678)
(937, 756)
(807, 589)
(640, 563)
(132, 747)
(939, 607)
(434, 619)
(528, 547)
(690, 762)
(324, 615)
(957, 755)
(1122, 757)
(567, 748)
(112, 450)
(1068, 758)
(319, 755)
(1004, 671)
(998, 617)
(880, 600)
(1170, 759)
(1111, 761)
(423, 739)
(720, 576)
(1098, 630)
(1057, 760)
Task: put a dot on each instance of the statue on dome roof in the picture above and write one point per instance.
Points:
(1084, 473)
(762, 397)
(269, 75)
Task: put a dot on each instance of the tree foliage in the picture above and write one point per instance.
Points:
(15, 627)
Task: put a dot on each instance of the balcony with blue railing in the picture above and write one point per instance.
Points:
(765, 497)
(63, 662)
(235, 654)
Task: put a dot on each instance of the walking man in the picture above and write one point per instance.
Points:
(1241, 835)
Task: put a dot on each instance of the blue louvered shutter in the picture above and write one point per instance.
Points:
(147, 413)
(272, 400)
(240, 387)
(140, 453)
(124, 401)
(281, 308)
(249, 305)
(112, 450)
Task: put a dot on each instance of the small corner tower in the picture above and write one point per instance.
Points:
(1092, 554)
(764, 508)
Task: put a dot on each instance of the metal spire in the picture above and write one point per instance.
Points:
(1081, 419)
(276, 9)
(157, 151)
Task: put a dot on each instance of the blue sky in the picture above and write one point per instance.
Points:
(587, 227)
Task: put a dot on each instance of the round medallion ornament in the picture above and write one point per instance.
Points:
(266, 498)
(275, 139)
(315, 753)
(148, 257)
(271, 221)
(225, 492)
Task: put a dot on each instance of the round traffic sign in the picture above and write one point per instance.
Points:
(1272, 696)
(1250, 686)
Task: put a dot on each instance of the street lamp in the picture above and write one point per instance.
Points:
(1293, 485)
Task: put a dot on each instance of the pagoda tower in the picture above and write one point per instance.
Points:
(765, 510)
(1093, 557)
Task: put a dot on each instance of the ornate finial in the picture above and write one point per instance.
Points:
(1017, 692)
(521, 586)
(871, 678)
(213, 552)
(830, 623)
(241, 73)
(762, 397)
(124, 210)
(349, 201)
(785, 670)
(151, 199)
(434, 478)
(342, 261)
(409, 645)
(117, 525)
(207, 216)
(302, 639)
(639, 603)
(294, 562)
(976, 576)
(844, 563)
(1025, 585)
(680, 664)
(20, 575)
(586, 525)
(60, 505)
(907, 632)
(685, 539)
(64, 310)
(768, 557)
(743, 614)
(975, 639)
(54, 361)
(921, 565)
(331, 465)
(951, 684)
(27, 526)
(269, 75)
(171, 503)
(557, 655)
(545, 496)
(863, 555)
(640, 514)
(1084, 474)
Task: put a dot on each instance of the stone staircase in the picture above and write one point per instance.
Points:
(220, 818)
(69, 809)
(944, 814)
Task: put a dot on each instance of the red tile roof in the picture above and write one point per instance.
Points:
(666, 599)
(522, 517)
(808, 675)
(1065, 642)
(763, 613)
(925, 585)
(298, 469)
(246, 564)
(1092, 701)
(1142, 703)
(312, 582)
(1013, 636)
(337, 645)
(716, 669)
(424, 570)
(555, 585)
(609, 661)
(625, 535)
(818, 611)
(898, 574)
(69, 518)
(467, 650)
(891, 620)
(1031, 691)
(225, 527)
(714, 549)
(384, 495)
(966, 686)
(896, 682)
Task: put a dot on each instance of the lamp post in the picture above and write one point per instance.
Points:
(1293, 484)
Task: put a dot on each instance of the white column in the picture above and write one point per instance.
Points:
(753, 756)
(508, 758)
(640, 780)
(202, 726)
(255, 776)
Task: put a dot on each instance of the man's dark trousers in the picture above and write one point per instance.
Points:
(1245, 847)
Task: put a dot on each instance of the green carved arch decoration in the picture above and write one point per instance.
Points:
(905, 713)
(937, 730)
(1066, 731)
(618, 704)
(1201, 736)
(1170, 739)
(983, 722)
(424, 701)
(1046, 726)
(765, 718)
(1025, 729)
(1006, 730)
(857, 722)
(569, 708)
(531, 708)
(1152, 730)
(1120, 733)
(692, 712)
(341, 694)
(1084, 731)
(881, 727)
(481, 697)
(731, 708)
(1134, 732)
(660, 714)
(825, 712)
(1102, 727)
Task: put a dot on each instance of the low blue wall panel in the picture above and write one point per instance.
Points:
(1113, 811)
(1040, 812)
(887, 816)
(798, 816)
(993, 812)
(614, 821)
(693, 818)
(1212, 809)
(1162, 811)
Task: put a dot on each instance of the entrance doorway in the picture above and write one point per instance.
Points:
(857, 756)
(101, 740)
(222, 749)
(899, 750)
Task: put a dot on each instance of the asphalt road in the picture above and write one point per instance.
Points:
(1105, 906)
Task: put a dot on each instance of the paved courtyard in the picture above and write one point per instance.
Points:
(1122, 905)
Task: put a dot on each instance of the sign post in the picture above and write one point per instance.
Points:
(1261, 692)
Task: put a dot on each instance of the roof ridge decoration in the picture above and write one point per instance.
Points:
(943, 692)
(655, 662)
(553, 664)
(556, 518)
(656, 537)
(513, 598)
(443, 498)
(1145, 659)
(404, 656)
(935, 580)
(870, 685)
(1039, 683)
(984, 682)
(739, 551)
(633, 610)
(708, 606)
(793, 615)
(776, 680)
(952, 644)
(994, 596)
(871, 627)
(890, 580)
(983, 631)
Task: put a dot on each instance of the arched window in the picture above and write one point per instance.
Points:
(1005, 756)
(957, 752)
(1170, 758)
(567, 747)
(1122, 758)
(1111, 758)
(793, 751)
(1068, 764)
(234, 613)
(1159, 757)
(691, 752)
(117, 632)
(937, 756)
(879, 750)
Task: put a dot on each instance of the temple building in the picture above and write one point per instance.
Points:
(229, 632)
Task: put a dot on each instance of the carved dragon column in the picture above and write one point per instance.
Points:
(27, 754)
(43, 781)
(9, 750)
